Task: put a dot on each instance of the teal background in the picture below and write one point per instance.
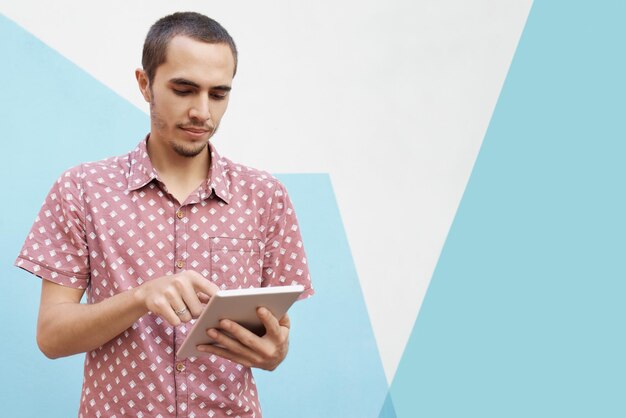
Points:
(524, 316)
(54, 116)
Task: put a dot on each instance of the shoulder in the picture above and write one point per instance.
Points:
(112, 172)
(244, 178)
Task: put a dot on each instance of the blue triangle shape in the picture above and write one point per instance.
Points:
(388, 410)
(525, 311)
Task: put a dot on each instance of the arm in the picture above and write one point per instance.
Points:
(66, 327)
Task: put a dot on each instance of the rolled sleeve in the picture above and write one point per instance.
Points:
(56, 247)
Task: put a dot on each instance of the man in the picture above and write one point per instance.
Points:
(152, 234)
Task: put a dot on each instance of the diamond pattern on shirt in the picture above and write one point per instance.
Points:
(111, 225)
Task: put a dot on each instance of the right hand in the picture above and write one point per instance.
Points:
(187, 290)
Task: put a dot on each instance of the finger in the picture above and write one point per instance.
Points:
(177, 305)
(232, 345)
(162, 307)
(190, 298)
(201, 284)
(285, 322)
(203, 297)
(270, 322)
(222, 352)
(242, 336)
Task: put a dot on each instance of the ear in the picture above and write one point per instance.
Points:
(144, 85)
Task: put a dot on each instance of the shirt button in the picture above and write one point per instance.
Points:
(180, 214)
(180, 367)
(180, 264)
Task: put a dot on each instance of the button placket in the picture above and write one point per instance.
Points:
(181, 245)
(182, 396)
(180, 262)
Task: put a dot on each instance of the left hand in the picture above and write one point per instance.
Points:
(245, 347)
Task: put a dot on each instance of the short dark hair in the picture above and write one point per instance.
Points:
(191, 24)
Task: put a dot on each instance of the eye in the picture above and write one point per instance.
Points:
(217, 96)
(182, 92)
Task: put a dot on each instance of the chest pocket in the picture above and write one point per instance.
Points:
(236, 262)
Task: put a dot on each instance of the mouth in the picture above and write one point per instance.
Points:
(195, 132)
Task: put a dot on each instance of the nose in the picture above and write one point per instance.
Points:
(200, 110)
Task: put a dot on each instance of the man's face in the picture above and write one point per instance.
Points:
(189, 94)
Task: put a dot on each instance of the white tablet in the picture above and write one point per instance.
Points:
(238, 305)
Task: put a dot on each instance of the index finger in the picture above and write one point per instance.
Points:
(202, 284)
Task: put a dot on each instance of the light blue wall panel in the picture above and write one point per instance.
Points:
(525, 313)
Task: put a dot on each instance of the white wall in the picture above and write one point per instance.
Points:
(391, 98)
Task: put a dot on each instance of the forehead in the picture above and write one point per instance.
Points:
(201, 62)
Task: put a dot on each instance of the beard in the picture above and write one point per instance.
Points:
(184, 149)
(188, 150)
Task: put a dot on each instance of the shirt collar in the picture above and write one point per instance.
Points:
(217, 179)
(143, 172)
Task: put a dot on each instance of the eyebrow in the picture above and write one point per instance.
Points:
(185, 82)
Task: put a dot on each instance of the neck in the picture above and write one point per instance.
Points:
(181, 175)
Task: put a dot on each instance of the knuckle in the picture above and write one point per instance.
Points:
(179, 281)
(274, 354)
(210, 288)
(192, 276)
(247, 340)
(170, 292)
(267, 364)
(246, 362)
(266, 353)
(160, 304)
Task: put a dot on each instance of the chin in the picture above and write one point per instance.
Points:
(189, 150)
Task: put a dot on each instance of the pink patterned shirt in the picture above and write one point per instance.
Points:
(111, 225)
